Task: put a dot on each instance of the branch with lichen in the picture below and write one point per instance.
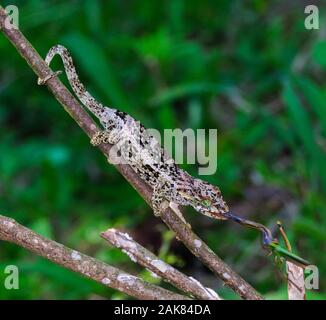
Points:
(89, 267)
(169, 217)
(145, 258)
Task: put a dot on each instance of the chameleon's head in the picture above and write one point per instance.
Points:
(208, 200)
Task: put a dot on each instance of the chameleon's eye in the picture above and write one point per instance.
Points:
(206, 203)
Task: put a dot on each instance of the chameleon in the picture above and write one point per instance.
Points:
(171, 185)
(144, 154)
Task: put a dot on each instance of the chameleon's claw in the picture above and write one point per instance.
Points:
(41, 81)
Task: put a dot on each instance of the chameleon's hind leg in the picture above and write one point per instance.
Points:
(105, 136)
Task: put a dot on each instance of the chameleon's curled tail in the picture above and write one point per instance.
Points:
(83, 95)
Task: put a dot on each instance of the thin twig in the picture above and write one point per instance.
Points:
(145, 258)
(89, 267)
(71, 105)
(284, 236)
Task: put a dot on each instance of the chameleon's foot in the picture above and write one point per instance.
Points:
(159, 208)
(100, 137)
(176, 209)
(156, 213)
(41, 81)
(164, 205)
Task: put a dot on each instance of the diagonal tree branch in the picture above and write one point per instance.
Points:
(89, 267)
(145, 258)
(183, 232)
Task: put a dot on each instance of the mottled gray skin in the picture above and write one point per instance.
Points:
(143, 153)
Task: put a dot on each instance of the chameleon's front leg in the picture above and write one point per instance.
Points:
(175, 207)
(160, 204)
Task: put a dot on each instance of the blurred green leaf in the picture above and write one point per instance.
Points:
(319, 53)
(316, 98)
(300, 118)
(42, 226)
(311, 229)
(155, 46)
(181, 91)
(91, 56)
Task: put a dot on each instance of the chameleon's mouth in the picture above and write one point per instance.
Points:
(212, 210)
(215, 215)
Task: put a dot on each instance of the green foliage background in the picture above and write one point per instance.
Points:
(249, 69)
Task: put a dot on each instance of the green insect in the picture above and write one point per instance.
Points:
(269, 242)
(281, 252)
